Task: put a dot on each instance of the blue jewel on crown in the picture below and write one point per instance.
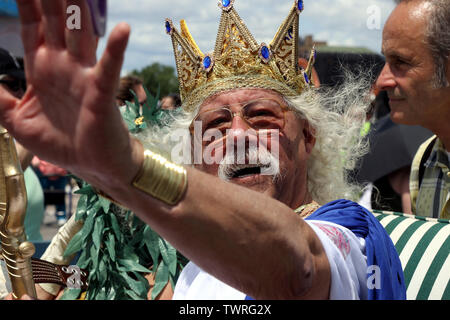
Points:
(226, 4)
(306, 77)
(265, 53)
(300, 6)
(208, 63)
(169, 26)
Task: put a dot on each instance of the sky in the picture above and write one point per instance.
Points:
(339, 22)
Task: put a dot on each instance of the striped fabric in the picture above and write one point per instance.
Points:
(424, 248)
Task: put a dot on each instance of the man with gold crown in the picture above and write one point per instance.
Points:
(258, 212)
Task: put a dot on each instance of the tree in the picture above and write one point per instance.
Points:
(159, 75)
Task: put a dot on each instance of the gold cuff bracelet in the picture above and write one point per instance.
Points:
(161, 178)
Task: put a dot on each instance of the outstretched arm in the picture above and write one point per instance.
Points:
(68, 117)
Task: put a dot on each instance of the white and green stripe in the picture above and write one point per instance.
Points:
(423, 245)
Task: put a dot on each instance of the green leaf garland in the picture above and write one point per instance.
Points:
(115, 246)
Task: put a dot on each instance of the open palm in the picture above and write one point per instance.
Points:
(68, 114)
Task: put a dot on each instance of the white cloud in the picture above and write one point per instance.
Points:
(340, 22)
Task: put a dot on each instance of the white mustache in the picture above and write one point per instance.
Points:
(254, 157)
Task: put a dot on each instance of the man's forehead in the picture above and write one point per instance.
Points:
(404, 31)
(408, 19)
(238, 96)
(397, 46)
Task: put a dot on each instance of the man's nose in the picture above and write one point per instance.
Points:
(238, 123)
(240, 135)
(238, 129)
(386, 79)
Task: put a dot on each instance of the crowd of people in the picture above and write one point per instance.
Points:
(275, 219)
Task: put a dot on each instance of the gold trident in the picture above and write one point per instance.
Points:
(16, 250)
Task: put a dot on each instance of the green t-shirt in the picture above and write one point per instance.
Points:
(35, 206)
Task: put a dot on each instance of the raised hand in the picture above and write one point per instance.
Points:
(68, 114)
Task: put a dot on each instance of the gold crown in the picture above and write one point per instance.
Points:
(238, 61)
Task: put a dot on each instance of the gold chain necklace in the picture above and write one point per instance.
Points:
(307, 209)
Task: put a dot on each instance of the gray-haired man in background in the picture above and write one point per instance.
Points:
(416, 43)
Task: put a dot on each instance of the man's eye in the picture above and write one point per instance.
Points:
(400, 63)
(216, 122)
(261, 113)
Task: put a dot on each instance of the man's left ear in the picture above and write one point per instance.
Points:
(310, 136)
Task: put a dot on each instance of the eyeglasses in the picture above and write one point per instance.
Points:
(260, 114)
(14, 85)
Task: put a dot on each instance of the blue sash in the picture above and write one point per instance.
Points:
(380, 250)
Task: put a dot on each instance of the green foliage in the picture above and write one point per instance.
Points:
(150, 114)
(116, 247)
(157, 75)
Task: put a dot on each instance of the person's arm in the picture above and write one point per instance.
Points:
(238, 235)
(250, 241)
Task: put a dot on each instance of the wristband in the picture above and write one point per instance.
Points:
(161, 178)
